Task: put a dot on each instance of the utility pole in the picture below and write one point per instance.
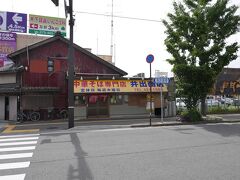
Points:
(69, 9)
(71, 70)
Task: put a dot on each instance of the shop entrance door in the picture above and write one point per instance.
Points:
(6, 108)
(97, 106)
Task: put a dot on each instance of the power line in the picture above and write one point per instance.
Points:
(123, 17)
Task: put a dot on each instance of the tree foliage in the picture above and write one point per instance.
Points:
(197, 34)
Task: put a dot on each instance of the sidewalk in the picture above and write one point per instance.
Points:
(156, 121)
(3, 123)
(173, 121)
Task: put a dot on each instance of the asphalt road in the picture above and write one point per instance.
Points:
(171, 152)
(108, 150)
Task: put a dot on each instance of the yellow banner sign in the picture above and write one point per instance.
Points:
(116, 86)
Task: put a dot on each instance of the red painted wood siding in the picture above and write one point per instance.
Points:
(37, 75)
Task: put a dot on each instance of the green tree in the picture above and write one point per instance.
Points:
(197, 35)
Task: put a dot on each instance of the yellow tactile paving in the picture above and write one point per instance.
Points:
(10, 129)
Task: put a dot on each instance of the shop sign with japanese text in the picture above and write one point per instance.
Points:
(46, 25)
(7, 45)
(116, 86)
(230, 87)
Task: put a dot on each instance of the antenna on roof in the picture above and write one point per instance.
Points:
(111, 47)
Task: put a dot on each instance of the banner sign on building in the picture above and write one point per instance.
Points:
(46, 25)
(7, 46)
(115, 86)
(3, 21)
(229, 87)
(14, 22)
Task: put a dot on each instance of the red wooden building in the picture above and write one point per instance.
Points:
(43, 91)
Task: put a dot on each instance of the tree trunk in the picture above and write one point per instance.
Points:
(203, 107)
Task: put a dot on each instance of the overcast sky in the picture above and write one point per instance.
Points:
(134, 39)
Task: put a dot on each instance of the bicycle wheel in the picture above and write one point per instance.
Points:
(35, 116)
(20, 117)
(64, 114)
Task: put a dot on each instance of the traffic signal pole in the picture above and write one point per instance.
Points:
(71, 70)
(70, 59)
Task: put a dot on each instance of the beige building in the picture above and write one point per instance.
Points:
(107, 58)
(27, 40)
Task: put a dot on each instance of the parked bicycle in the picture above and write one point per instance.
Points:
(64, 114)
(28, 115)
(58, 113)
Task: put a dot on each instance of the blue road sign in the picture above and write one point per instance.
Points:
(162, 80)
(150, 58)
(16, 22)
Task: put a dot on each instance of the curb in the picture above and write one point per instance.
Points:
(172, 122)
(183, 123)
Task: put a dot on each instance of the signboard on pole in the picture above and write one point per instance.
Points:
(46, 25)
(7, 46)
(162, 80)
(14, 22)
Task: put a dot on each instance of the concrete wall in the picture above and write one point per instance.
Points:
(7, 78)
(171, 109)
(118, 110)
(36, 102)
(80, 112)
(2, 107)
(12, 108)
(125, 110)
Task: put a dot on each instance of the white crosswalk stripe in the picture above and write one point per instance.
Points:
(14, 165)
(18, 143)
(17, 148)
(15, 155)
(18, 139)
(17, 136)
(13, 177)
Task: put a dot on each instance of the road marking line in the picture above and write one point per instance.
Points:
(9, 129)
(22, 135)
(19, 139)
(17, 148)
(16, 165)
(13, 177)
(14, 156)
(18, 143)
